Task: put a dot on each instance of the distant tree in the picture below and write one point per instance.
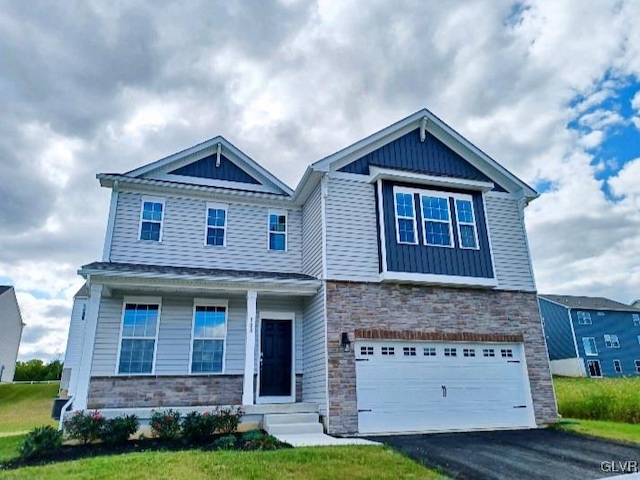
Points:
(35, 370)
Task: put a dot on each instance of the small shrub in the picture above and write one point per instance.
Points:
(226, 420)
(41, 441)
(117, 430)
(165, 424)
(257, 440)
(226, 442)
(84, 426)
(197, 427)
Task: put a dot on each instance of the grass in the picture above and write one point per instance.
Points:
(626, 432)
(609, 399)
(9, 447)
(354, 462)
(25, 406)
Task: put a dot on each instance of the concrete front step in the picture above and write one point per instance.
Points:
(280, 419)
(294, 428)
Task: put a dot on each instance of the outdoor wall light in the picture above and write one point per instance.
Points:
(345, 343)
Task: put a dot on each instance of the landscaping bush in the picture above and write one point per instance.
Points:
(41, 441)
(257, 440)
(226, 420)
(117, 431)
(84, 426)
(197, 427)
(226, 442)
(165, 424)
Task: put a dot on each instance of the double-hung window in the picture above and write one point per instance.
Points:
(611, 341)
(467, 233)
(636, 319)
(589, 344)
(278, 231)
(436, 216)
(584, 318)
(405, 218)
(209, 336)
(216, 230)
(151, 218)
(139, 334)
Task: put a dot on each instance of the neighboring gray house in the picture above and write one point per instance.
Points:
(591, 336)
(10, 332)
(391, 291)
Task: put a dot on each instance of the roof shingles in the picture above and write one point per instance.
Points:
(589, 303)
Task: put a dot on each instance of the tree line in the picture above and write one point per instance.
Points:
(36, 371)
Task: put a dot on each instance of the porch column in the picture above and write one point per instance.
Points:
(250, 347)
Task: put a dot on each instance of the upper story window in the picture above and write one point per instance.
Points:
(636, 319)
(216, 225)
(138, 338)
(151, 218)
(584, 318)
(467, 233)
(405, 218)
(611, 341)
(437, 221)
(589, 344)
(278, 231)
(209, 336)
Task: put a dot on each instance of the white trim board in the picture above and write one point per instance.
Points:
(438, 279)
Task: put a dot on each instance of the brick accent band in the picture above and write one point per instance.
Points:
(373, 334)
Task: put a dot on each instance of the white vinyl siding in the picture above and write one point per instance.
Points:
(352, 231)
(314, 381)
(182, 237)
(509, 244)
(312, 234)
(74, 340)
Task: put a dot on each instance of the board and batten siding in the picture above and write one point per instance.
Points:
(351, 226)
(183, 236)
(314, 380)
(509, 242)
(312, 234)
(174, 335)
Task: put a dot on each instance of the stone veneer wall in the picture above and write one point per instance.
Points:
(456, 313)
(169, 391)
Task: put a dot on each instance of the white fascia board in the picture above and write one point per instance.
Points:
(306, 186)
(251, 187)
(432, 279)
(431, 180)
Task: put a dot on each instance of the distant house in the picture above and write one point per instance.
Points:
(10, 332)
(591, 336)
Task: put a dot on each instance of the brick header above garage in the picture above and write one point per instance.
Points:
(374, 334)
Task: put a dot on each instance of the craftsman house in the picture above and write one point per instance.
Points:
(391, 291)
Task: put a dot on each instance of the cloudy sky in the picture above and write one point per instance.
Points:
(548, 88)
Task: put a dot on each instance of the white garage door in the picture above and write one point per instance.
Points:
(437, 386)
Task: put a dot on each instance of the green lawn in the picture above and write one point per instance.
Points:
(353, 463)
(626, 432)
(9, 447)
(24, 406)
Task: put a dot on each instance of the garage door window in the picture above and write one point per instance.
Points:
(409, 351)
(430, 351)
(506, 352)
(488, 352)
(388, 351)
(366, 351)
(469, 352)
(450, 352)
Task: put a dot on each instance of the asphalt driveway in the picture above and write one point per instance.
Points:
(517, 454)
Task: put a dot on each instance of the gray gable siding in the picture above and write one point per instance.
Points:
(557, 330)
(435, 260)
(206, 168)
(312, 234)
(184, 233)
(617, 323)
(430, 157)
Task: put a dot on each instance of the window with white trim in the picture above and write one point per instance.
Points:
(151, 218)
(209, 337)
(617, 366)
(636, 319)
(405, 218)
(138, 339)
(429, 351)
(216, 229)
(436, 217)
(488, 352)
(450, 352)
(278, 231)
(366, 351)
(584, 318)
(589, 344)
(611, 340)
(637, 364)
(409, 351)
(467, 233)
(506, 352)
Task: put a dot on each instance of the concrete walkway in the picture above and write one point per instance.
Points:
(320, 440)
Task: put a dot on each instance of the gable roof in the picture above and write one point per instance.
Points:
(440, 130)
(194, 166)
(4, 288)
(589, 303)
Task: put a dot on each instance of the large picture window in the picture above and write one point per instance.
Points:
(209, 335)
(151, 217)
(138, 339)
